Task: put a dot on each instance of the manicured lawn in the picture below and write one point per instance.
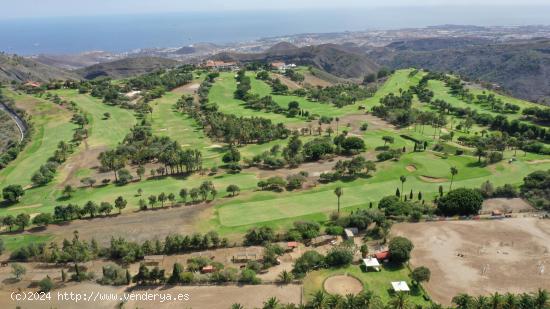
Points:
(12, 242)
(102, 131)
(221, 93)
(167, 121)
(378, 282)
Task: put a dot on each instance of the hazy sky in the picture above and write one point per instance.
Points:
(48, 8)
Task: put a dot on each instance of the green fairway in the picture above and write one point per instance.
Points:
(52, 125)
(169, 122)
(221, 93)
(273, 206)
(377, 282)
(104, 132)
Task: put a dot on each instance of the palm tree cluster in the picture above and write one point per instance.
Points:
(141, 147)
(538, 300)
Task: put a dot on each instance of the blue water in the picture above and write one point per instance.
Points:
(125, 33)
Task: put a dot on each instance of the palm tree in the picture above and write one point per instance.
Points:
(462, 301)
(454, 171)
(271, 303)
(403, 179)
(337, 122)
(481, 302)
(285, 277)
(318, 300)
(495, 301)
(510, 301)
(339, 191)
(541, 299)
(399, 301)
(479, 152)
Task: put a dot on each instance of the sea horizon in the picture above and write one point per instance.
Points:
(124, 33)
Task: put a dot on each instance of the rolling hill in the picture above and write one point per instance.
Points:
(126, 67)
(332, 58)
(522, 68)
(19, 69)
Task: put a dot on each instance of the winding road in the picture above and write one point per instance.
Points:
(20, 123)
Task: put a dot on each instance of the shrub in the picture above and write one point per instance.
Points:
(334, 230)
(340, 256)
(400, 249)
(308, 261)
(461, 201)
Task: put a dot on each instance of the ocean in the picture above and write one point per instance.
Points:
(119, 33)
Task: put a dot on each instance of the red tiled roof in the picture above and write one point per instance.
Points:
(383, 255)
(292, 244)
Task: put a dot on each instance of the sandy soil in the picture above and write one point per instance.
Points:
(506, 205)
(351, 123)
(343, 285)
(315, 81)
(211, 297)
(481, 257)
(292, 85)
(431, 179)
(135, 226)
(187, 89)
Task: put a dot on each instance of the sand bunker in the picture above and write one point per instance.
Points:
(431, 179)
(411, 168)
(343, 285)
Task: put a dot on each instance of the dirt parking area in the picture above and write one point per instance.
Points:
(506, 205)
(481, 257)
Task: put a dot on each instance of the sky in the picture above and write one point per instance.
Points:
(53, 8)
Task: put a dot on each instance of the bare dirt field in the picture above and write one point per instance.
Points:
(315, 81)
(343, 285)
(292, 85)
(506, 205)
(351, 123)
(481, 257)
(187, 89)
(211, 297)
(134, 226)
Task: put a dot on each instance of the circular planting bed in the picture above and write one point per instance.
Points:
(343, 285)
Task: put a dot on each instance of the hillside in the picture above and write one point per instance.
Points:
(15, 68)
(522, 68)
(332, 58)
(126, 67)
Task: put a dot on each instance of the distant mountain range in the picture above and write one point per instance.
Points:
(520, 67)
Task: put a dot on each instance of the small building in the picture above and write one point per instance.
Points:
(153, 260)
(208, 269)
(281, 66)
(496, 213)
(400, 286)
(351, 232)
(322, 240)
(382, 255)
(215, 64)
(32, 84)
(371, 263)
(291, 245)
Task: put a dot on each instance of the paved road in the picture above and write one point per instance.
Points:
(20, 123)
